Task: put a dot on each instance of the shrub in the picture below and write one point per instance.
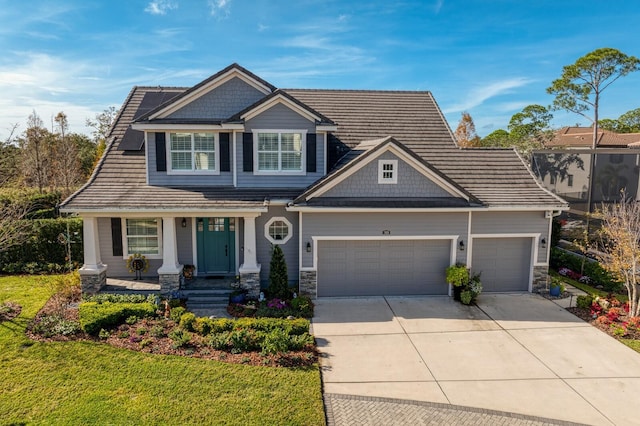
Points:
(95, 316)
(303, 305)
(278, 277)
(187, 321)
(222, 324)
(104, 334)
(584, 301)
(203, 326)
(298, 342)
(119, 298)
(131, 320)
(276, 341)
(55, 325)
(181, 338)
(176, 313)
(157, 331)
(42, 252)
(457, 275)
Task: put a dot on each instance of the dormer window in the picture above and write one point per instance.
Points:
(387, 171)
(193, 153)
(279, 151)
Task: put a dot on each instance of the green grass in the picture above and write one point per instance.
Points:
(633, 344)
(92, 383)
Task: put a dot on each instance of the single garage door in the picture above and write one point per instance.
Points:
(382, 268)
(505, 263)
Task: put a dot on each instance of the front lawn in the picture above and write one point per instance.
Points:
(88, 382)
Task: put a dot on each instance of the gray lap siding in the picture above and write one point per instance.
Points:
(290, 248)
(364, 224)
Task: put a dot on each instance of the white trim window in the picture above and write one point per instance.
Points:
(142, 236)
(279, 151)
(387, 171)
(278, 230)
(193, 153)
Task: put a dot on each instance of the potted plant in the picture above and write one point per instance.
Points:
(556, 288)
(187, 271)
(458, 277)
(237, 296)
(471, 290)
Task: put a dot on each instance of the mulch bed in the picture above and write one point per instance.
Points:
(585, 315)
(132, 337)
(9, 310)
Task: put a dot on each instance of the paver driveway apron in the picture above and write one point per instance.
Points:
(513, 352)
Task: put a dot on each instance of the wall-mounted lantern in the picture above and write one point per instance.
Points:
(461, 245)
(184, 222)
(543, 242)
(308, 247)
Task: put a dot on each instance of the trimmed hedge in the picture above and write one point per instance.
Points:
(42, 252)
(95, 316)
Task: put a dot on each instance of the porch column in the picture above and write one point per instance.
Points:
(93, 274)
(170, 271)
(250, 269)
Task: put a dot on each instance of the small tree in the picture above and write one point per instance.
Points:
(466, 132)
(620, 246)
(14, 230)
(278, 277)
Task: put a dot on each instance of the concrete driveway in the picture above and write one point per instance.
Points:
(517, 353)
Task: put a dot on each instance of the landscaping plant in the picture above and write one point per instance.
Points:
(278, 277)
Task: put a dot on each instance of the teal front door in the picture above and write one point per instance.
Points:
(216, 240)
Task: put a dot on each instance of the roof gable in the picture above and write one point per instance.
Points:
(363, 167)
(280, 97)
(206, 86)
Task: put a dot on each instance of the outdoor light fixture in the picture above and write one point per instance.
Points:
(386, 232)
(308, 247)
(184, 222)
(461, 245)
(543, 242)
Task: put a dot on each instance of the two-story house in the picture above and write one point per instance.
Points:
(365, 191)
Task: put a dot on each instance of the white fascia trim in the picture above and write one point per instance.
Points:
(308, 209)
(169, 127)
(390, 147)
(279, 99)
(142, 213)
(209, 87)
(326, 128)
(146, 157)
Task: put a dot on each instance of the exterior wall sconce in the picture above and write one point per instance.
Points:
(308, 247)
(386, 232)
(461, 245)
(543, 242)
(184, 222)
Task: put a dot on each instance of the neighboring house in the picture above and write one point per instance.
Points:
(365, 191)
(563, 167)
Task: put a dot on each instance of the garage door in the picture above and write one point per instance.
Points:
(380, 268)
(505, 263)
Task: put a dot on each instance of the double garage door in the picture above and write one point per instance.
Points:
(382, 267)
(417, 267)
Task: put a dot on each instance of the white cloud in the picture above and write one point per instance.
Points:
(160, 7)
(438, 6)
(219, 8)
(479, 95)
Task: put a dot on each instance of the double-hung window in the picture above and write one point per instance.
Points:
(193, 152)
(142, 236)
(279, 151)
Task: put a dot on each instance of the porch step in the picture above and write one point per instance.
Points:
(214, 298)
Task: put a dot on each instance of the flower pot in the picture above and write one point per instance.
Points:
(554, 291)
(237, 298)
(457, 290)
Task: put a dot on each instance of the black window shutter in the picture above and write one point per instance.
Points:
(247, 152)
(116, 236)
(161, 153)
(225, 159)
(311, 152)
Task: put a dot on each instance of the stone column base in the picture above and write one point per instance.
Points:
(250, 281)
(308, 283)
(540, 279)
(92, 281)
(169, 283)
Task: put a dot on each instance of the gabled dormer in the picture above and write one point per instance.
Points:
(234, 129)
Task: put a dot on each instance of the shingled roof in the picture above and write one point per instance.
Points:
(495, 177)
(582, 137)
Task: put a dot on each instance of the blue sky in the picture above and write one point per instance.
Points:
(490, 58)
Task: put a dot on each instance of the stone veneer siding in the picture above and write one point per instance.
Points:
(169, 283)
(308, 281)
(251, 283)
(540, 278)
(93, 283)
